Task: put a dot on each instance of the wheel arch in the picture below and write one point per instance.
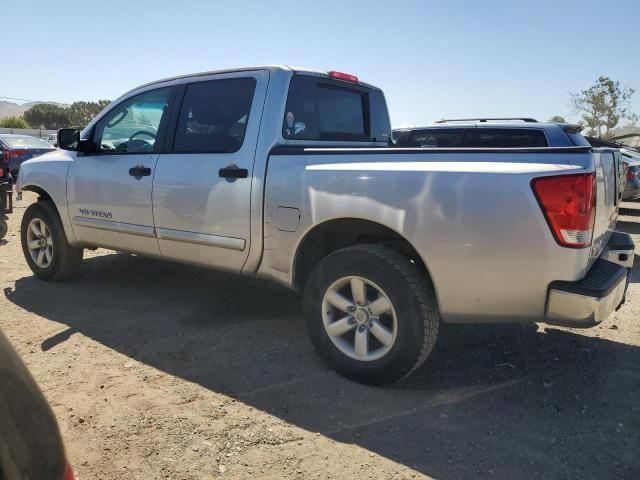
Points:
(42, 193)
(334, 234)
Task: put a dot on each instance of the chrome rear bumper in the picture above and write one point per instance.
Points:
(588, 301)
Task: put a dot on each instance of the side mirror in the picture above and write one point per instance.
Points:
(69, 139)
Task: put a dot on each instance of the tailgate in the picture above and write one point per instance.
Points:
(610, 184)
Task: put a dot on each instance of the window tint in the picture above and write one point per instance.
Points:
(476, 138)
(505, 138)
(213, 117)
(437, 138)
(324, 110)
(132, 126)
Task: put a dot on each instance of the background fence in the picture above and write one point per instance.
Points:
(36, 132)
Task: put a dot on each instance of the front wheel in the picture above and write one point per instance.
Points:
(45, 245)
(371, 314)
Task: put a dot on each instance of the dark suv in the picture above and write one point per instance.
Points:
(490, 133)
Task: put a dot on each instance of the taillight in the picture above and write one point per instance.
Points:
(347, 77)
(569, 205)
(16, 153)
(631, 174)
(68, 472)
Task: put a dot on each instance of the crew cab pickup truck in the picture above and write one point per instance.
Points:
(288, 174)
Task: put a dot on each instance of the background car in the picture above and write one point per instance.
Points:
(631, 158)
(519, 132)
(16, 149)
(53, 139)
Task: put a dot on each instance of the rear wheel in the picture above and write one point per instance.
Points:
(371, 313)
(45, 245)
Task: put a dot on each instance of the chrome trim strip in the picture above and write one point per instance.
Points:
(131, 229)
(201, 239)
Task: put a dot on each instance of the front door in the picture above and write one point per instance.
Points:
(109, 190)
(202, 187)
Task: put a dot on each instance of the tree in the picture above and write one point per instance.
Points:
(81, 113)
(557, 119)
(603, 105)
(47, 115)
(14, 122)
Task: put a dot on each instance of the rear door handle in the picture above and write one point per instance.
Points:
(139, 171)
(232, 172)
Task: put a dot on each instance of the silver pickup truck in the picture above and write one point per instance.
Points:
(287, 174)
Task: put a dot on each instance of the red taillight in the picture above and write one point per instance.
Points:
(347, 77)
(16, 153)
(630, 174)
(68, 473)
(569, 205)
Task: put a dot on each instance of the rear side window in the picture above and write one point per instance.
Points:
(437, 138)
(506, 138)
(321, 109)
(213, 116)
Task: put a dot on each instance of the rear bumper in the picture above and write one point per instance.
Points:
(590, 300)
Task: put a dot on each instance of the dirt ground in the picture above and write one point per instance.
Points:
(156, 370)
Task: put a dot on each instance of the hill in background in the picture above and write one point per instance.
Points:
(10, 109)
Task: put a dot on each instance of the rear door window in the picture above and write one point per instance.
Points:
(213, 116)
(323, 109)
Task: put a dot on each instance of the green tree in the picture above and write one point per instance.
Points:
(81, 113)
(603, 105)
(14, 122)
(47, 115)
(557, 119)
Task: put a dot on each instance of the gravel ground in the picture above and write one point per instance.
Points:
(156, 370)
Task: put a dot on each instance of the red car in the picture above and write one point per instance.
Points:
(30, 442)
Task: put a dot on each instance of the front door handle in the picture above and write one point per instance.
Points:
(139, 171)
(232, 172)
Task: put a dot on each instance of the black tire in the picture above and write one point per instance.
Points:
(4, 228)
(66, 260)
(409, 291)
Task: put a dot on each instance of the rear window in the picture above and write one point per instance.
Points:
(322, 109)
(477, 138)
(25, 142)
(578, 140)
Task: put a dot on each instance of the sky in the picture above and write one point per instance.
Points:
(433, 59)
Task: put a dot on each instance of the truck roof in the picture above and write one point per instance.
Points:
(288, 68)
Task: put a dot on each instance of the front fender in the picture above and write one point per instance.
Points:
(47, 176)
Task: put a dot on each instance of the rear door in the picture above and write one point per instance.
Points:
(202, 185)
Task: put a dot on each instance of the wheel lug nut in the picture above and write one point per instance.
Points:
(361, 328)
(351, 309)
(352, 321)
